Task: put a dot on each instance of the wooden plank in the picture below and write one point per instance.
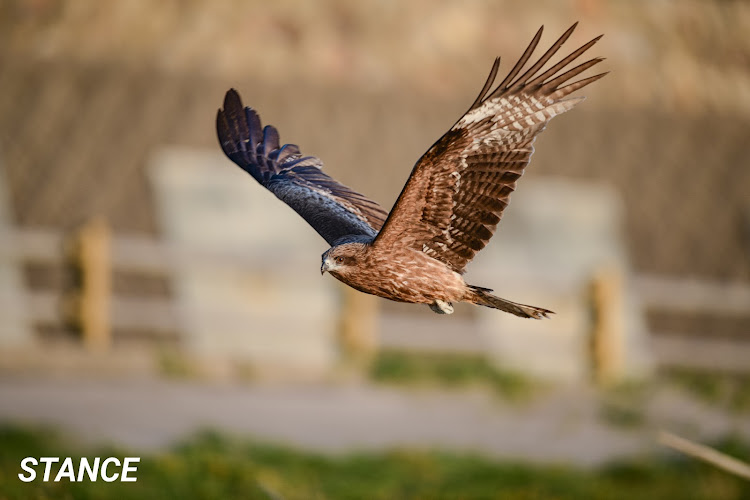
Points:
(412, 332)
(158, 315)
(140, 254)
(127, 313)
(33, 245)
(148, 255)
(693, 296)
(155, 314)
(706, 353)
(44, 307)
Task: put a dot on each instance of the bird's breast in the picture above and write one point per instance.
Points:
(405, 276)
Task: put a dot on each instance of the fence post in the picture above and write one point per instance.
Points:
(358, 326)
(95, 261)
(608, 323)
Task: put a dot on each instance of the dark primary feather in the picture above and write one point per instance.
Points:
(456, 193)
(332, 209)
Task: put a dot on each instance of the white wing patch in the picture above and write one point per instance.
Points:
(506, 117)
(515, 112)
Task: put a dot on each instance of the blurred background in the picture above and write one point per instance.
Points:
(150, 290)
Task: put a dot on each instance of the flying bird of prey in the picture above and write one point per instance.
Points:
(451, 203)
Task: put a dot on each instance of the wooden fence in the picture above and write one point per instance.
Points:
(96, 252)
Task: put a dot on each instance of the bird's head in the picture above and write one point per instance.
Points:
(342, 259)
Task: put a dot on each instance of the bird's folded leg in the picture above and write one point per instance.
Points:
(442, 307)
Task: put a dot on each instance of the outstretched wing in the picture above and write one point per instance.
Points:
(456, 194)
(332, 209)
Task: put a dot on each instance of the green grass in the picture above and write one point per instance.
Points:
(726, 391)
(447, 370)
(623, 405)
(210, 466)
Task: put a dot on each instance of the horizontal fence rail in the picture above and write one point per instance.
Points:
(694, 296)
(138, 254)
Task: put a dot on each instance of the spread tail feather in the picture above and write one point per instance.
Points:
(483, 297)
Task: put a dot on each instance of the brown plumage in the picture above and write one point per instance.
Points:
(451, 204)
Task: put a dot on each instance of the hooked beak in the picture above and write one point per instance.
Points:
(324, 267)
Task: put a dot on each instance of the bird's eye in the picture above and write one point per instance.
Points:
(340, 260)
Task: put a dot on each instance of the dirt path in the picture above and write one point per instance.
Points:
(554, 427)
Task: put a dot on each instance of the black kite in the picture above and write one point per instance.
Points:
(449, 207)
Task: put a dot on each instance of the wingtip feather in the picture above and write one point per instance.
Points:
(568, 89)
(545, 57)
(270, 140)
(551, 86)
(521, 62)
(232, 100)
(487, 84)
